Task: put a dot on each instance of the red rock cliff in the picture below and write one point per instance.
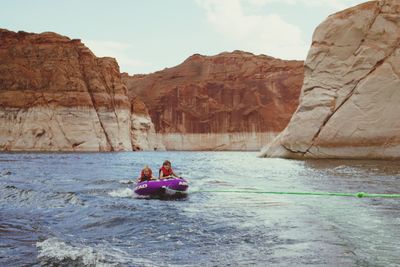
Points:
(229, 101)
(55, 94)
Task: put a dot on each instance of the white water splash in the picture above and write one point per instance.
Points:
(124, 192)
(126, 181)
(54, 252)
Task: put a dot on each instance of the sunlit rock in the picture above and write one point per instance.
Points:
(350, 98)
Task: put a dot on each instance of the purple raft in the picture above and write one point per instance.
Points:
(160, 187)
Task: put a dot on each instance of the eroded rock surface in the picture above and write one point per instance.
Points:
(56, 95)
(231, 101)
(350, 102)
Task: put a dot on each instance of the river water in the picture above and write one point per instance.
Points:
(78, 210)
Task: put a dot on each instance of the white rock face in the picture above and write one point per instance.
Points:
(350, 101)
(217, 141)
(143, 133)
(62, 129)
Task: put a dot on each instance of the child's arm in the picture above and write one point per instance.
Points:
(174, 174)
(165, 177)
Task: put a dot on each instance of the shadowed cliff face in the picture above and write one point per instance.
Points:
(351, 93)
(228, 101)
(55, 94)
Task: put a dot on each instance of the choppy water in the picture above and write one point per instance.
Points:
(76, 209)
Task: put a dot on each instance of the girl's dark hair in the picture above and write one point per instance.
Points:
(167, 162)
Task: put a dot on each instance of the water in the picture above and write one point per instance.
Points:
(78, 210)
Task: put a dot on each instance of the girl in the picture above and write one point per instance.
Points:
(146, 175)
(166, 171)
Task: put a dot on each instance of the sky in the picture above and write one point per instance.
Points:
(150, 35)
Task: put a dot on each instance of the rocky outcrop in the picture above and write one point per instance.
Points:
(351, 93)
(143, 134)
(231, 101)
(56, 95)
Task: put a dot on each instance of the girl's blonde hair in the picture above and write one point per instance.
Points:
(144, 169)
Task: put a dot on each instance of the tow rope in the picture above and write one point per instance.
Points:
(358, 194)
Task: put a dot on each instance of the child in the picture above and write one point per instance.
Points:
(166, 171)
(146, 175)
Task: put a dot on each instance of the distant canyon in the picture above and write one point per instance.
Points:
(341, 102)
(56, 95)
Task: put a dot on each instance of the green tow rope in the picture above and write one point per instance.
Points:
(358, 194)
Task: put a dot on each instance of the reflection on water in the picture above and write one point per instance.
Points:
(77, 209)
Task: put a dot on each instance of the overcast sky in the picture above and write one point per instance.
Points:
(150, 35)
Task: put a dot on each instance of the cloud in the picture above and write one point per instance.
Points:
(260, 34)
(331, 4)
(117, 50)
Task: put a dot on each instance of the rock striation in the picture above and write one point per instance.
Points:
(350, 99)
(56, 95)
(231, 101)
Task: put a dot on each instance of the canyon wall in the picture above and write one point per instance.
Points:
(350, 98)
(231, 101)
(56, 95)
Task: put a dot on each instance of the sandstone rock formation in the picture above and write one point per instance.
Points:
(55, 94)
(350, 102)
(231, 101)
